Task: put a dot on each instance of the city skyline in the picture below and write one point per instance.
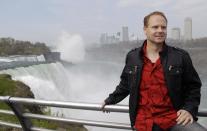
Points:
(176, 33)
(45, 21)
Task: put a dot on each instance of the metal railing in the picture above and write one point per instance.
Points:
(24, 118)
(26, 125)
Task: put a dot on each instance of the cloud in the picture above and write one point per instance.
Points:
(188, 4)
(190, 7)
(142, 3)
(179, 7)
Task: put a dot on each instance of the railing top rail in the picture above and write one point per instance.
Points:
(74, 105)
(64, 104)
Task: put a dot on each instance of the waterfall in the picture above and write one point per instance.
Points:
(88, 82)
(43, 80)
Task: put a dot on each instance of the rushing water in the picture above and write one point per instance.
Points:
(88, 82)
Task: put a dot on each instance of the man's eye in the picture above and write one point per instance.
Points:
(155, 27)
(163, 27)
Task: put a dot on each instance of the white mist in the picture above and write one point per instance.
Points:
(71, 47)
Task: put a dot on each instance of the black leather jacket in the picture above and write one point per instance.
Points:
(181, 78)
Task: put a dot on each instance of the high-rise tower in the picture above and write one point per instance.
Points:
(175, 33)
(188, 29)
(125, 33)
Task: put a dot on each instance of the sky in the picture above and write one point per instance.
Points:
(46, 20)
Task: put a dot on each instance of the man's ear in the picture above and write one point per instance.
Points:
(144, 29)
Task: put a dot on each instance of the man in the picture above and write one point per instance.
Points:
(163, 85)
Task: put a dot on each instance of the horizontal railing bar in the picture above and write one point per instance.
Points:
(40, 129)
(202, 113)
(62, 104)
(4, 98)
(79, 121)
(7, 112)
(7, 124)
(75, 105)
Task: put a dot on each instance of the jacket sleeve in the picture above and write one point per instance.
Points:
(192, 86)
(121, 90)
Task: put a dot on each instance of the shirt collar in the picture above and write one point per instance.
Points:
(144, 45)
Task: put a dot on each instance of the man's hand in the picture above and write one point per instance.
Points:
(103, 107)
(184, 117)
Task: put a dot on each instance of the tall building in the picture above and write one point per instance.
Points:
(175, 33)
(188, 29)
(103, 38)
(133, 37)
(125, 34)
(108, 39)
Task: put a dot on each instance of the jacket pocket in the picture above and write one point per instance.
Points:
(131, 72)
(175, 70)
(175, 78)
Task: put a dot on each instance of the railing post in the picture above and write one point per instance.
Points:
(17, 109)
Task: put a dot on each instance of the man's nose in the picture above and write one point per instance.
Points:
(160, 29)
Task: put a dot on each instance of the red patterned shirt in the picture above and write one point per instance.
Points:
(155, 105)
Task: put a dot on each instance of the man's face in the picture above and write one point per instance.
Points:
(156, 30)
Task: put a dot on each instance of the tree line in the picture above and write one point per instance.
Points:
(10, 46)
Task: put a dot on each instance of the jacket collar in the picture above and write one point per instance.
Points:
(162, 53)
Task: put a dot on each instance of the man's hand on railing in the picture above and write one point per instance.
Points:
(103, 108)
